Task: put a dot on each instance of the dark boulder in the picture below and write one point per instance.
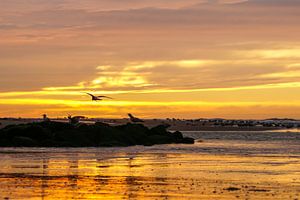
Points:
(101, 124)
(160, 139)
(187, 140)
(24, 142)
(136, 133)
(55, 126)
(177, 135)
(5, 143)
(105, 135)
(33, 131)
(159, 130)
(73, 138)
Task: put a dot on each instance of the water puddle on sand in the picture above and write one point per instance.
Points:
(158, 172)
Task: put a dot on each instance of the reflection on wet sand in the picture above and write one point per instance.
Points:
(73, 175)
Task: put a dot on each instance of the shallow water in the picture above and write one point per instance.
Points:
(226, 165)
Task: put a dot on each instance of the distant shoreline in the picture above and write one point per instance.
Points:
(203, 128)
(151, 123)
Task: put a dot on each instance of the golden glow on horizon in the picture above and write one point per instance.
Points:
(291, 53)
(73, 103)
(121, 79)
(61, 91)
(179, 63)
(289, 74)
(187, 55)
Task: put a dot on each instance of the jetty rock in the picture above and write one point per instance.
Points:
(60, 134)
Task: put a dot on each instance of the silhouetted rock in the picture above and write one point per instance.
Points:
(178, 135)
(35, 131)
(101, 124)
(135, 133)
(5, 143)
(24, 142)
(187, 140)
(58, 134)
(56, 126)
(161, 139)
(159, 130)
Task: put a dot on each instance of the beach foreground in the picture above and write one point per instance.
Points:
(231, 168)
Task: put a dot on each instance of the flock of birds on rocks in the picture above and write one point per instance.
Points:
(76, 119)
(100, 98)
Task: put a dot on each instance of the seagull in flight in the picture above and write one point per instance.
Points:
(97, 98)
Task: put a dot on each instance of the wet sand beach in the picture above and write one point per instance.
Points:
(253, 165)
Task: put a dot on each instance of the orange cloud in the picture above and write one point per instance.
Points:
(150, 54)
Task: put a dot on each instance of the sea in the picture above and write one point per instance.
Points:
(220, 165)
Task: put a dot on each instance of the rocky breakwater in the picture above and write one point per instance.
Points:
(58, 134)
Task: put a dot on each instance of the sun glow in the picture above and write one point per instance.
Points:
(150, 55)
(291, 53)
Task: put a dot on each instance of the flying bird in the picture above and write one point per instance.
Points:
(134, 119)
(97, 98)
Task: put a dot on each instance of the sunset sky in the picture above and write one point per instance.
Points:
(156, 58)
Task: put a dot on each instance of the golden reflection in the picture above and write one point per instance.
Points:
(72, 175)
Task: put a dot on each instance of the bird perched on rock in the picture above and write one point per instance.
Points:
(45, 118)
(97, 98)
(134, 119)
